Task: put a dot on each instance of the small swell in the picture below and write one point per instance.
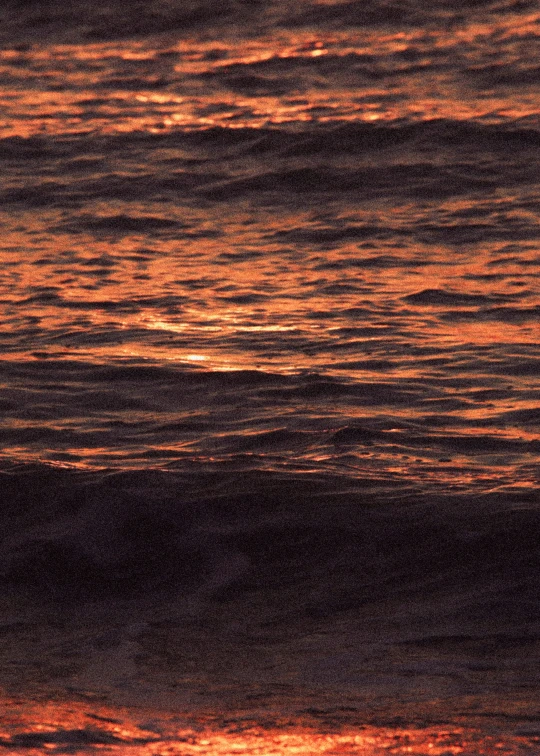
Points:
(354, 13)
(447, 298)
(135, 84)
(68, 739)
(505, 74)
(123, 224)
(46, 194)
(331, 235)
(362, 138)
(294, 180)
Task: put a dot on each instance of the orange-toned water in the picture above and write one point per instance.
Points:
(269, 302)
(57, 727)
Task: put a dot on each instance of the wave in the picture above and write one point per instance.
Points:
(101, 20)
(293, 74)
(442, 297)
(298, 139)
(73, 536)
(136, 411)
(356, 138)
(358, 161)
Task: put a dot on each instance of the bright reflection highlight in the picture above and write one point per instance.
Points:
(84, 726)
(33, 104)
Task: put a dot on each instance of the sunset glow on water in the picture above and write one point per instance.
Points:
(133, 74)
(269, 304)
(56, 727)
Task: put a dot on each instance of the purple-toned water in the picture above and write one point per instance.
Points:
(269, 295)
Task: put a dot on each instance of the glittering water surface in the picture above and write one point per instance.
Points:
(269, 299)
(76, 728)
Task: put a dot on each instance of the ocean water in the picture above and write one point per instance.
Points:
(269, 369)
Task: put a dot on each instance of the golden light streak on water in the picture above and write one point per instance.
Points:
(89, 727)
(93, 97)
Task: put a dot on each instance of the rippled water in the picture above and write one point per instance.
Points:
(269, 295)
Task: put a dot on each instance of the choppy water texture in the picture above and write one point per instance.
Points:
(269, 303)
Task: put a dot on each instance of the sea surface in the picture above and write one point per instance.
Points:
(269, 376)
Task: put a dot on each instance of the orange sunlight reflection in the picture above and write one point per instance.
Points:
(77, 726)
(177, 301)
(32, 104)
